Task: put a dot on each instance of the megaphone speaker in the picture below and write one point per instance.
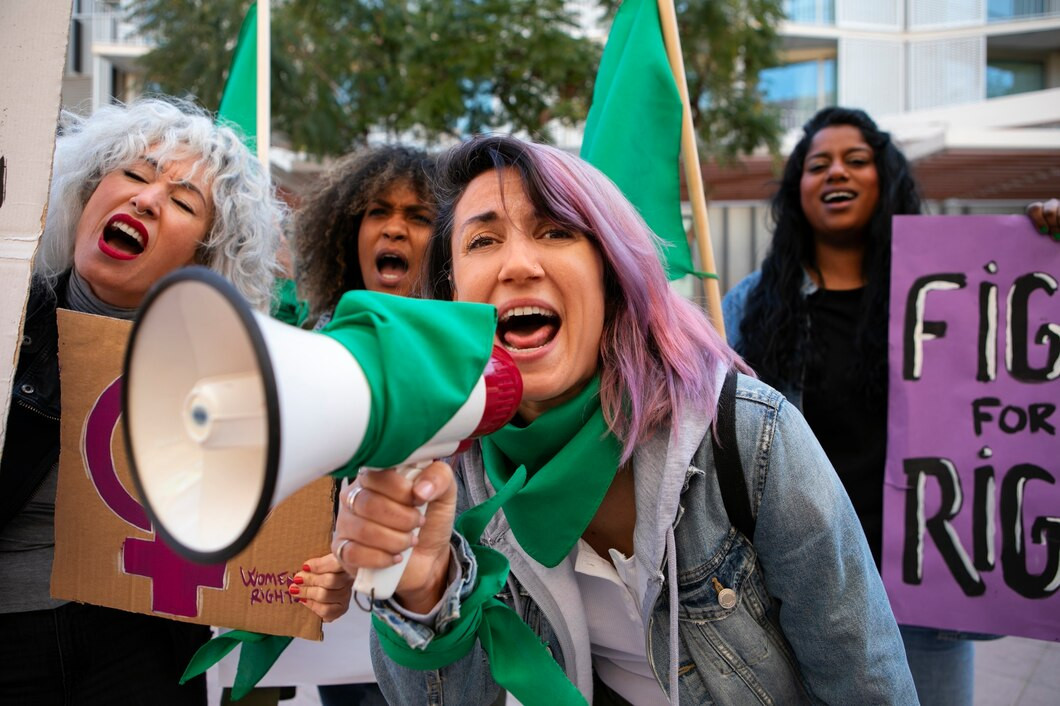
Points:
(212, 389)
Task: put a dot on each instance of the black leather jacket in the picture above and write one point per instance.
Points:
(31, 445)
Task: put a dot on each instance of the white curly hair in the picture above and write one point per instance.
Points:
(242, 241)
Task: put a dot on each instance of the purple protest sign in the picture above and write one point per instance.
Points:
(971, 500)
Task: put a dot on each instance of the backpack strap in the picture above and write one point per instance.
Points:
(727, 461)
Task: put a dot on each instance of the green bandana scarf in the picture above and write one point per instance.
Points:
(570, 459)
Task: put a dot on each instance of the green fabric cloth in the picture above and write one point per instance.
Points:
(239, 101)
(519, 661)
(422, 358)
(257, 656)
(286, 306)
(633, 130)
(571, 458)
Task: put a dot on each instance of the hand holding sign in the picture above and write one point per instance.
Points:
(1046, 217)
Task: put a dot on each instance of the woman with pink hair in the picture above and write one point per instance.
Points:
(673, 530)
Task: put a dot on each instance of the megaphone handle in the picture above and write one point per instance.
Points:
(380, 584)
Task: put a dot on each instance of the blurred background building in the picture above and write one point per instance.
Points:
(101, 56)
(970, 89)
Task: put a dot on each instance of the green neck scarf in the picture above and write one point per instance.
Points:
(567, 460)
(570, 458)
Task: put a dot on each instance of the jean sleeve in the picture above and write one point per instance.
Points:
(466, 681)
(816, 561)
(734, 307)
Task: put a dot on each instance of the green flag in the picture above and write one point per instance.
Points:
(633, 132)
(239, 103)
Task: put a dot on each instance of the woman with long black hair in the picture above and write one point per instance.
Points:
(813, 323)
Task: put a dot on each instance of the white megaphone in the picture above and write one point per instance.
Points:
(227, 412)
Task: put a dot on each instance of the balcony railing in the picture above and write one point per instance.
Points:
(810, 12)
(1010, 10)
(108, 23)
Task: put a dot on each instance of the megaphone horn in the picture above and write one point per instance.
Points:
(227, 412)
(215, 396)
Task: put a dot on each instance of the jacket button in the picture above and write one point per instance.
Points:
(26, 341)
(27, 389)
(727, 598)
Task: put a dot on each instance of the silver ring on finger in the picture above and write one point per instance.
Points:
(342, 545)
(351, 496)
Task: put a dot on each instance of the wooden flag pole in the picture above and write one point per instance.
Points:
(264, 84)
(690, 158)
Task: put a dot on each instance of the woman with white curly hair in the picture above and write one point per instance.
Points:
(137, 192)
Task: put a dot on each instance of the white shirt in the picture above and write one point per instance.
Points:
(611, 596)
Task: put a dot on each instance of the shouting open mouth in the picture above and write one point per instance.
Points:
(523, 329)
(123, 238)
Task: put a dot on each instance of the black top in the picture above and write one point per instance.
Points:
(850, 423)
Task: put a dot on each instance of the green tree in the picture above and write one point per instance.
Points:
(726, 44)
(342, 68)
(195, 41)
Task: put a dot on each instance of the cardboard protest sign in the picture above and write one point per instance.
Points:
(32, 57)
(106, 552)
(971, 500)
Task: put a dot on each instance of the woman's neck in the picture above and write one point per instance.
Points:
(80, 297)
(838, 266)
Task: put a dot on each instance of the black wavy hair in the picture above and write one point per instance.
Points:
(774, 330)
(326, 226)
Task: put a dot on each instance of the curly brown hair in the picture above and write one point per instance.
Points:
(325, 228)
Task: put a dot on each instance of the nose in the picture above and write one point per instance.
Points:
(521, 261)
(396, 228)
(148, 199)
(837, 171)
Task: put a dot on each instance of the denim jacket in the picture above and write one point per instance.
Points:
(811, 624)
(734, 308)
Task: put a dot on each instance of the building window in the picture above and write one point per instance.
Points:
(800, 89)
(1001, 10)
(1006, 78)
(811, 12)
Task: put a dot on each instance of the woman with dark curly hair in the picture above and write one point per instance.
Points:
(813, 324)
(365, 227)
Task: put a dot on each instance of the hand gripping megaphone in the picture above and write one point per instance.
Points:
(227, 412)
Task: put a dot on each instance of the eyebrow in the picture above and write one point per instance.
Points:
(408, 209)
(184, 183)
(484, 217)
(857, 148)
